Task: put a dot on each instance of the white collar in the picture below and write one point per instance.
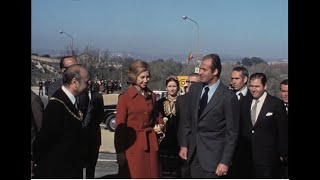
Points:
(69, 94)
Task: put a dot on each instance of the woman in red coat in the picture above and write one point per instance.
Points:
(135, 136)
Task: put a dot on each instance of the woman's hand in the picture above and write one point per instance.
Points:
(158, 128)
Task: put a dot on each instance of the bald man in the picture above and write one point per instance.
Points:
(60, 146)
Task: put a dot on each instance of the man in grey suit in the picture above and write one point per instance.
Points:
(181, 117)
(65, 62)
(210, 139)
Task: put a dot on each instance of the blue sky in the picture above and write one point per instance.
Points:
(233, 27)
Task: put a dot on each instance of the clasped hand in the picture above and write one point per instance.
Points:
(158, 128)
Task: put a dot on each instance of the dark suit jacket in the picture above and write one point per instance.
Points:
(241, 167)
(36, 116)
(94, 117)
(268, 138)
(215, 132)
(60, 144)
(82, 99)
(83, 103)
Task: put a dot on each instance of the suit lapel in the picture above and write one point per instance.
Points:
(263, 111)
(214, 100)
(63, 97)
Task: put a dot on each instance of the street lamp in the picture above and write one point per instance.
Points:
(196, 69)
(62, 32)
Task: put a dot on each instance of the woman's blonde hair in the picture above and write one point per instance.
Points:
(135, 69)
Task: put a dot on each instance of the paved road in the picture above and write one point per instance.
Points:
(106, 166)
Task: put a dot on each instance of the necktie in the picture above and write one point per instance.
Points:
(253, 112)
(240, 96)
(76, 103)
(203, 101)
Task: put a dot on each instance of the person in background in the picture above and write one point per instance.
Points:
(137, 125)
(192, 78)
(94, 117)
(284, 93)
(181, 118)
(60, 149)
(40, 88)
(265, 129)
(168, 144)
(210, 139)
(239, 81)
(46, 86)
(241, 163)
(65, 62)
(36, 121)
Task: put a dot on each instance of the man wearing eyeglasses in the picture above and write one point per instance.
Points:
(65, 62)
(192, 78)
(181, 113)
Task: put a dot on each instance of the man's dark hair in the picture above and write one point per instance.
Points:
(284, 82)
(62, 61)
(260, 76)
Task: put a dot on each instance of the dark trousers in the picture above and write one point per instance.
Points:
(185, 170)
(40, 92)
(266, 172)
(284, 172)
(91, 162)
(196, 169)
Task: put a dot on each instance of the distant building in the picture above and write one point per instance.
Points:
(85, 56)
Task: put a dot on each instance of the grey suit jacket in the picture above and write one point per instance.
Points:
(36, 116)
(215, 132)
(181, 109)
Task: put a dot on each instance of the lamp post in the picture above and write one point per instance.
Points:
(196, 69)
(62, 32)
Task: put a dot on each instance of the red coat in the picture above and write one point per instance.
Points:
(134, 134)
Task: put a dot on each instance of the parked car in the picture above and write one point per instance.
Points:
(110, 117)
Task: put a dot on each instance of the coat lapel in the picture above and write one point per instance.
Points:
(214, 100)
(263, 111)
(63, 97)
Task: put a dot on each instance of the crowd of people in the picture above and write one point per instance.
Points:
(211, 131)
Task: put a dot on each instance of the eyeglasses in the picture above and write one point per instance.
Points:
(190, 82)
